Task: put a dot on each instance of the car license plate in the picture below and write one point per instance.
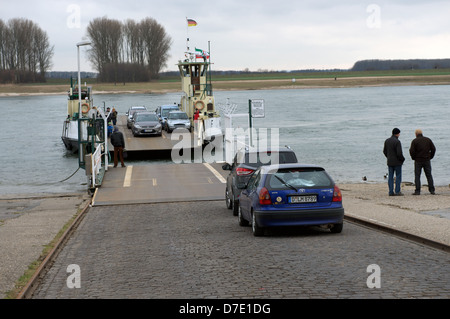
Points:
(148, 131)
(303, 199)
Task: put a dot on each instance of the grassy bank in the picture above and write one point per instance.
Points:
(251, 81)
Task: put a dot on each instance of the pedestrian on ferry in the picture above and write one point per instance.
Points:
(422, 151)
(118, 142)
(114, 116)
(395, 159)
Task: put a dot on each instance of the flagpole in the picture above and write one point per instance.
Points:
(187, 35)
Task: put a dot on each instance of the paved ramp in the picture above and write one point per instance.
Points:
(161, 183)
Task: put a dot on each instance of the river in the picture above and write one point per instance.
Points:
(342, 129)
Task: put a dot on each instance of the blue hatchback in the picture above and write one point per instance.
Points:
(291, 195)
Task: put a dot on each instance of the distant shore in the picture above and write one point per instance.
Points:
(11, 90)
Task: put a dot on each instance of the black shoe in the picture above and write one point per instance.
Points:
(432, 193)
(391, 194)
(399, 194)
(416, 193)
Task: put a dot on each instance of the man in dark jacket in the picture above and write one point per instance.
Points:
(118, 142)
(422, 151)
(394, 154)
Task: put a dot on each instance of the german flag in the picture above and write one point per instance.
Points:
(191, 23)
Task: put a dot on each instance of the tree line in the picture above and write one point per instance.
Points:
(127, 51)
(25, 52)
(412, 64)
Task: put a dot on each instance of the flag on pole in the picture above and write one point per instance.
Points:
(201, 54)
(191, 23)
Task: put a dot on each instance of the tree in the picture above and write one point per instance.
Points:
(24, 51)
(127, 51)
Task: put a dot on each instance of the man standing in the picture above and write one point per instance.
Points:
(422, 151)
(394, 154)
(118, 142)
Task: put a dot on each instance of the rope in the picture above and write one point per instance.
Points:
(69, 176)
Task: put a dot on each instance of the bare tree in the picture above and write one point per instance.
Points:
(157, 45)
(119, 48)
(24, 50)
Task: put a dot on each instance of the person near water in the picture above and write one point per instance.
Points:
(395, 159)
(422, 151)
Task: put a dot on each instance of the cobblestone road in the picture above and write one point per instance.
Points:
(198, 250)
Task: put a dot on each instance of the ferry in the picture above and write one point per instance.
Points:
(69, 134)
(197, 99)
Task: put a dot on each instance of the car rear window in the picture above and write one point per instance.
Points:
(259, 159)
(165, 112)
(299, 178)
(178, 116)
(146, 118)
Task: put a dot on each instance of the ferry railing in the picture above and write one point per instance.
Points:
(93, 147)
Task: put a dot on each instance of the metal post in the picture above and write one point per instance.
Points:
(80, 149)
(250, 120)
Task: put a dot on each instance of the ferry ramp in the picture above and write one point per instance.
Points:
(160, 183)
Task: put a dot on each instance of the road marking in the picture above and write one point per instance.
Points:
(127, 179)
(216, 173)
(210, 180)
(155, 182)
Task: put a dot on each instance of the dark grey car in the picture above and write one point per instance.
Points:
(131, 111)
(245, 163)
(145, 123)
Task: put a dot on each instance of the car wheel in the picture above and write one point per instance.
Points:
(337, 228)
(228, 201)
(257, 231)
(242, 221)
(235, 206)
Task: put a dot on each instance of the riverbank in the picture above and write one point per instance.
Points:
(32, 221)
(9, 90)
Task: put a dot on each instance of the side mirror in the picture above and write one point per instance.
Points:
(226, 167)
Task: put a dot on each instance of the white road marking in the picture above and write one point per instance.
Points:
(155, 182)
(216, 173)
(127, 179)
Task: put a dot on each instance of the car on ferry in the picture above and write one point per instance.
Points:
(131, 111)
(290, 195)
(163, 112)
(245, 163)
(177, 119)
(145, 124)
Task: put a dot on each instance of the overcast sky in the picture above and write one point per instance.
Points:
(257, 34)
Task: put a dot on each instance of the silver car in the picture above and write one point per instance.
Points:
(145, 123)
(178, 119)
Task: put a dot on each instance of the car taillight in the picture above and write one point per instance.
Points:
(264, 197)
(337, 195)
(240, 171)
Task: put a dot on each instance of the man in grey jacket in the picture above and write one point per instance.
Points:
(394, 154)
(422, 151)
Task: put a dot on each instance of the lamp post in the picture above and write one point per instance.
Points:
(80, 44)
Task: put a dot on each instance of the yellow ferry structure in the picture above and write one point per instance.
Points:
(198, 97)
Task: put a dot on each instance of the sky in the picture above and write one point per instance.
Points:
(256, 34)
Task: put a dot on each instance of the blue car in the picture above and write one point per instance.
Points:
(290, 195)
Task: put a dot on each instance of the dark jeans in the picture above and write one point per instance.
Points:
(118, 152)
(398, 179)
(427, 169)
